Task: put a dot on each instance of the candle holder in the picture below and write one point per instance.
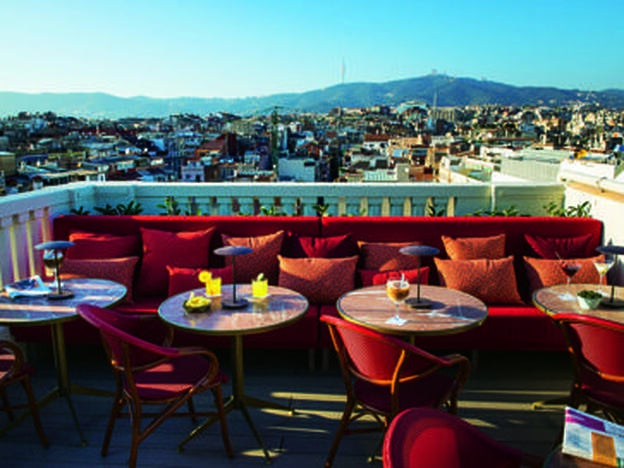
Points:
(614, 250)
(53, 257)
(233, 251)
(419, 251)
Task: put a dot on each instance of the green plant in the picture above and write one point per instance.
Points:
(272, 211)
(432, 210)
(511, 211)
(321, 209)
(171, 206)
(79, 211)
(582, 210)
(132, 208)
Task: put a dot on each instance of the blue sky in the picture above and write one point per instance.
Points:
(240, 48)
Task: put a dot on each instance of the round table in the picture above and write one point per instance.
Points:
(282, 307)
(451, 311)
(28, 311)
(549, 300)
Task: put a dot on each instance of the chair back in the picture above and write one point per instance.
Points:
(420, 437)
(377, 357)
(596, 345)
(126, 351)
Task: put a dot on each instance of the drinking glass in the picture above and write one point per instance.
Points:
(397, 290)
(603, 268)
(570, 269)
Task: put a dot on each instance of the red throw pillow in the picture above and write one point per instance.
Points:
(120, 270)
(545, 272)
(296, 246)
(372, 277)
(320, 280)
(185, 279)
(89, 245)
(565, 247)
(385, 256)
(163, 248)
(472, 248)
(263, 259)
(491, 280)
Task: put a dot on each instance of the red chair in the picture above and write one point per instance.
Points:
(597, 350)
(149, 374)
(420, 437)
(14, 369)
(384, 375)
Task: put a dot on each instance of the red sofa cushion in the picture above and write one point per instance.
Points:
(385, 256)
(561, 247)
(545, 272)
(98, 245)
(491, 280)
(185, 279)
(297, 246)
(373, 277)
(471, 248)
(263, 259)
(164, 248)
(320, 280)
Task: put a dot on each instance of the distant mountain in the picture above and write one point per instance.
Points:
(446, 90)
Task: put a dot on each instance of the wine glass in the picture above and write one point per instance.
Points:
(397, 290)
(603, 267)
(569, 268)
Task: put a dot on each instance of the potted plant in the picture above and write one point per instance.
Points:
(588, 299)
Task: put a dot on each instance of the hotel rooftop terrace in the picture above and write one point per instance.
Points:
(498, 397)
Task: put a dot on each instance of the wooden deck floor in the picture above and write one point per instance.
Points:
(497, 399)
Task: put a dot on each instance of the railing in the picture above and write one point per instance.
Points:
(25, 219)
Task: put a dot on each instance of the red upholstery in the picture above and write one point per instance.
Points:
(596, 347)
(385, 375)
(147, 373)
(425, 437)
(520, 327)
(13, 369)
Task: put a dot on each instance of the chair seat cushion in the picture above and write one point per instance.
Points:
(173, 378)
(421, 392)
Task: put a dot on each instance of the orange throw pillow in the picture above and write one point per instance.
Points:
(545, 272)
(472, 248)
(491, 280)
(384, 256)
(320, 280)
(263, 259)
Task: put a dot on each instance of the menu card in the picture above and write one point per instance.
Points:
(593, 438)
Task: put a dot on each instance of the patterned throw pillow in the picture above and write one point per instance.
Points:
(472, 248)
(162, 248)
(545, 272)
(120, 270)
(263, 259)
(565, 247)
(185, 279)
(373, 277)
(385, 256)
(296, 246)
(89, 245)
(491, 280)
(320, 280)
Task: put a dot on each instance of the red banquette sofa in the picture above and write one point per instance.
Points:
(499, 259)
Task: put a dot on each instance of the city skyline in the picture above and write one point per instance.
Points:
(162, 48)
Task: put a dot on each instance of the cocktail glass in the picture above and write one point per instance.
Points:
(569, 268)
(397, 290)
